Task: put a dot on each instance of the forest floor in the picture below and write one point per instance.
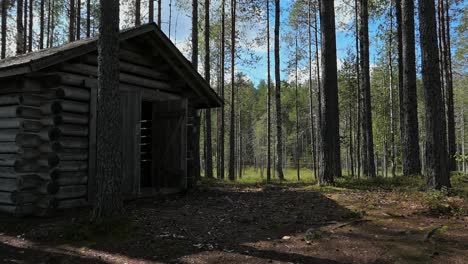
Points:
(357, 221)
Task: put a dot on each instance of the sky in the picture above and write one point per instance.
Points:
(181, 33)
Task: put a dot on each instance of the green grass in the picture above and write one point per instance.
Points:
(252, 176)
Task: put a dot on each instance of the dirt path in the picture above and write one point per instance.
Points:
(251, 225)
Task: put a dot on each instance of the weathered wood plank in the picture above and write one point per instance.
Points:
(72, 203)
(24, 209)
(72, 142)
(17, 197)
(72, 178)
(20, 111)
(20, 183)
(71, 118)
(131, 68)
(73, 130)
(72, 191)
(90, 70)
(18, 123)
(73, 155)
(71, 106)
(69, 166)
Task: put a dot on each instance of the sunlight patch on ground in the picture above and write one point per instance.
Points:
(22, 244)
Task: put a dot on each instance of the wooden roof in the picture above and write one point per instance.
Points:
(36, 61)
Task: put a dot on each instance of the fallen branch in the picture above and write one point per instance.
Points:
(358, 221)
(431, 233)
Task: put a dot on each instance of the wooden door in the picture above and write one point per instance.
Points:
(170, 144)
(131, 112)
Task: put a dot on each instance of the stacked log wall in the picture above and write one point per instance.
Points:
(43, 147)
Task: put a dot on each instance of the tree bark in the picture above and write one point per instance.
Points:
(392, 97)
(409, 121)
(88, 18)
(25, 32)
(222, 129)
(49, 14)
(268, 95)
(78, 19)
(232, 143)
(71, 26)
(195, 113)
(159, 13)
(447, 73)
(42, 24)
(368, 140)
(311, 94)
(208, 146)
(4, 27)
(137, 12)
(31, 24)
(359, 95)
(151, 11)
(319, 88)
(279, 117)
(19, 27)
(109, 119)
(330, 163)
(437, 171)
(297, 112)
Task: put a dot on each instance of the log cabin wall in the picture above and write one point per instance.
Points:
(48, 120)
(43, 146)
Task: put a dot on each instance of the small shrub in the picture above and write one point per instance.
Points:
(439, 203)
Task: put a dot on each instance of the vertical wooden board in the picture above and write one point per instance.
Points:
(183, 146)
(92, 146)
(170, 148)
(130, 103)
(137, 148)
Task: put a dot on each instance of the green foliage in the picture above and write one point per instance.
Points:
(440, 203)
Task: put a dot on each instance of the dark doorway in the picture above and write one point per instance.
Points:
(146, 145)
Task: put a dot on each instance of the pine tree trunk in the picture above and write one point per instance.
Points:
(49, 16)
(137, 12)
(78, 19)
(330, 163)
(279, 117)
(25, 23)
(109, 119)
(31, 24)
(71, 26)
(447, 71)
(42, 24)
(368, 141)
(19, 27)
(392, 96)
(88, 18)
(359, 95)
(151, 11)
(52, 28)
(437, 171)
(268, 95)
(222, 117)
(159, 13)
(409, 121)
(4, 27)
(195, 114)
(209, 151)
(232, 143)
(398, 16)
(297, 114)
(311, 94)
(319, 89)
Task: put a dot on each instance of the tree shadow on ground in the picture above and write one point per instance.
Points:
(197, 222)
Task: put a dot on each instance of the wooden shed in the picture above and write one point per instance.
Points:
(48, 121)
